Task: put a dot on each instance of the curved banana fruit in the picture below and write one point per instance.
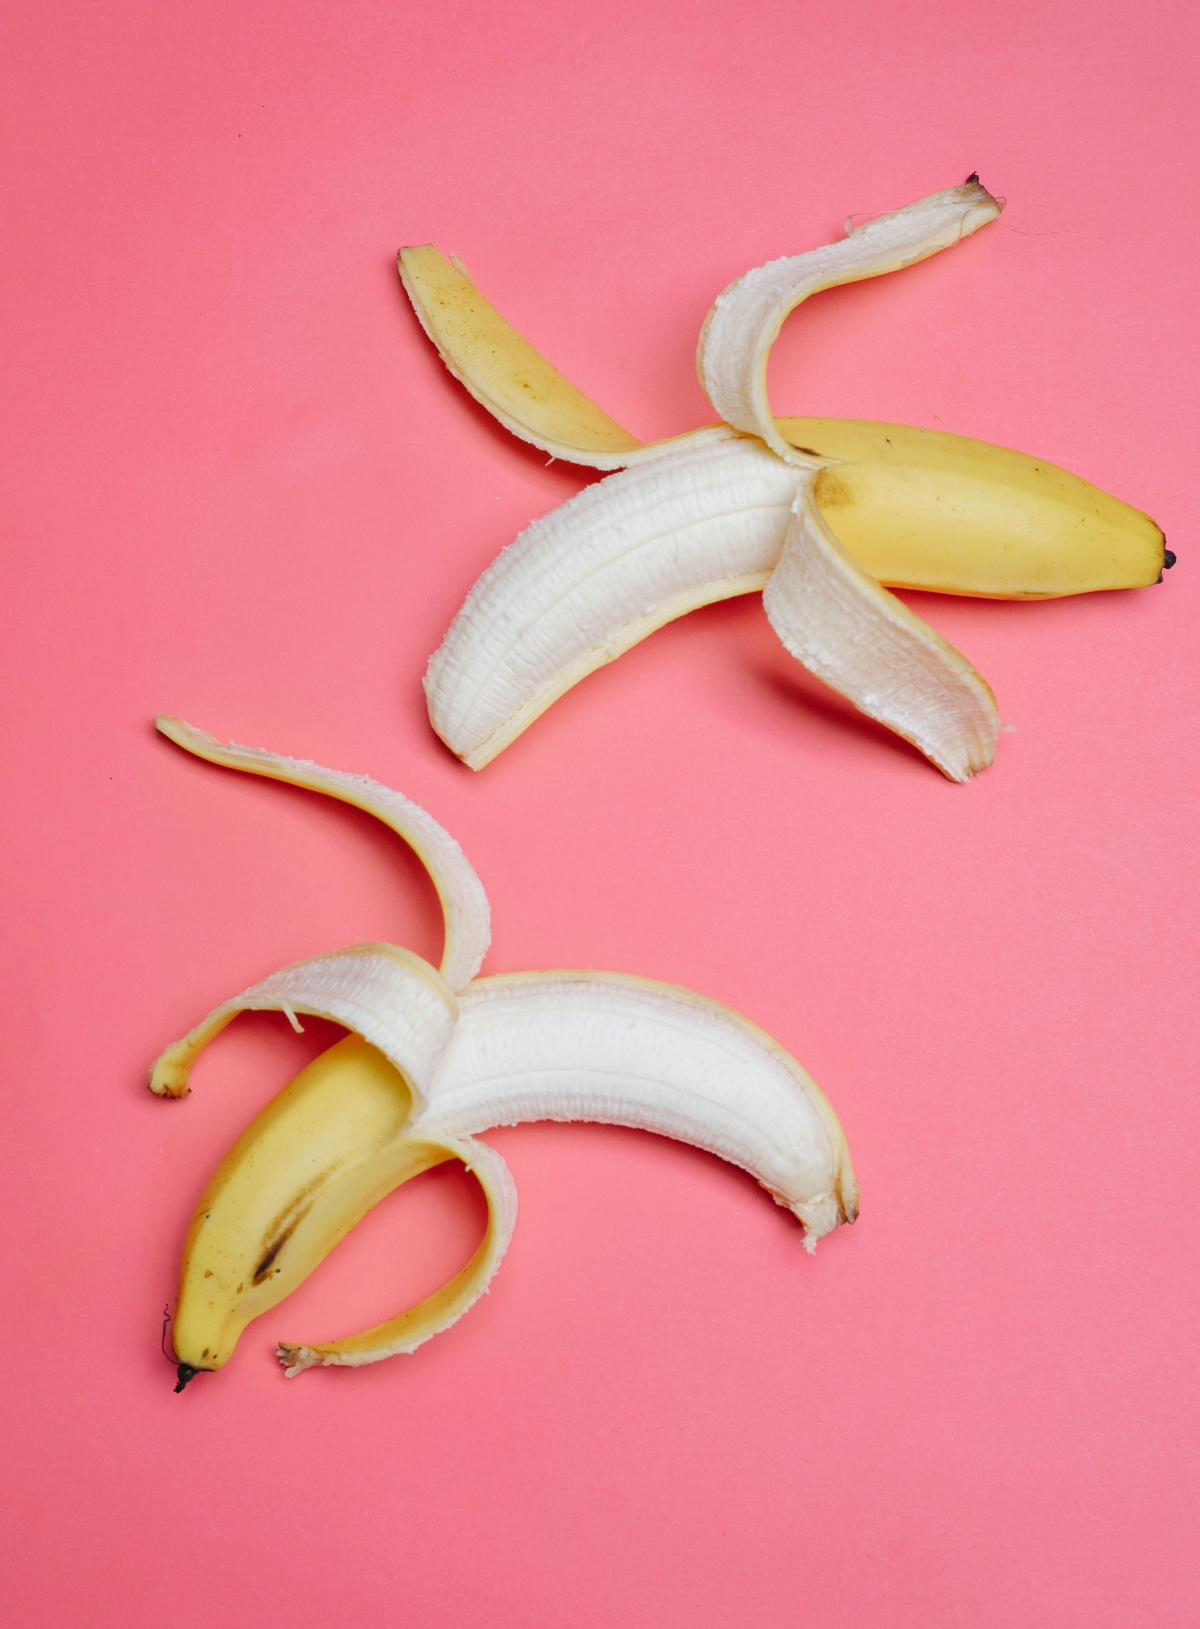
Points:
(707, 516)
(707, 520)
(433, 1057)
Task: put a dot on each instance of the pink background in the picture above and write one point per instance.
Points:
(241, 488)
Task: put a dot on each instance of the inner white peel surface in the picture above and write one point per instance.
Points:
(391, 997)
(465, 909)
(836, 619)
(446, 1305)
(744, 323)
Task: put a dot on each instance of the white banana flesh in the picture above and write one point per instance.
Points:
(598, 574)
(837, 620)
(424, 1063)
(744, 323)
(627, 1051)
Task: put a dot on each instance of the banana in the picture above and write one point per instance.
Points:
(431, 1059)
(707, 513)
(708, 519)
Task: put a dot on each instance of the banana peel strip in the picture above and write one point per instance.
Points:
(465, 908)
(445, 1306)
(504, 373)
(844, 627)
(739, 331)
(389, 996)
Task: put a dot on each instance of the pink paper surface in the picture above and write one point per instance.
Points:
(241, 488)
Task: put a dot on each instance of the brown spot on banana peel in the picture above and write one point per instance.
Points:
(296, 1210)
(268, 1260)
(832, 490)
(288, 1220)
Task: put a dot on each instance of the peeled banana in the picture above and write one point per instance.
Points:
(597, 575)
(705, 516)
(434, 1057)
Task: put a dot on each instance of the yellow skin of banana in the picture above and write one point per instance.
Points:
(926, 509)
(917, 508)
(322, 1153)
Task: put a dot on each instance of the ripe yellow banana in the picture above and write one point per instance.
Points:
(434, 1057)
(705, 516)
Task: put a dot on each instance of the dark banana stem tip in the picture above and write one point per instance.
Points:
(185, 1372)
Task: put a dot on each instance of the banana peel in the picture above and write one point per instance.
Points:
(504, 373)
